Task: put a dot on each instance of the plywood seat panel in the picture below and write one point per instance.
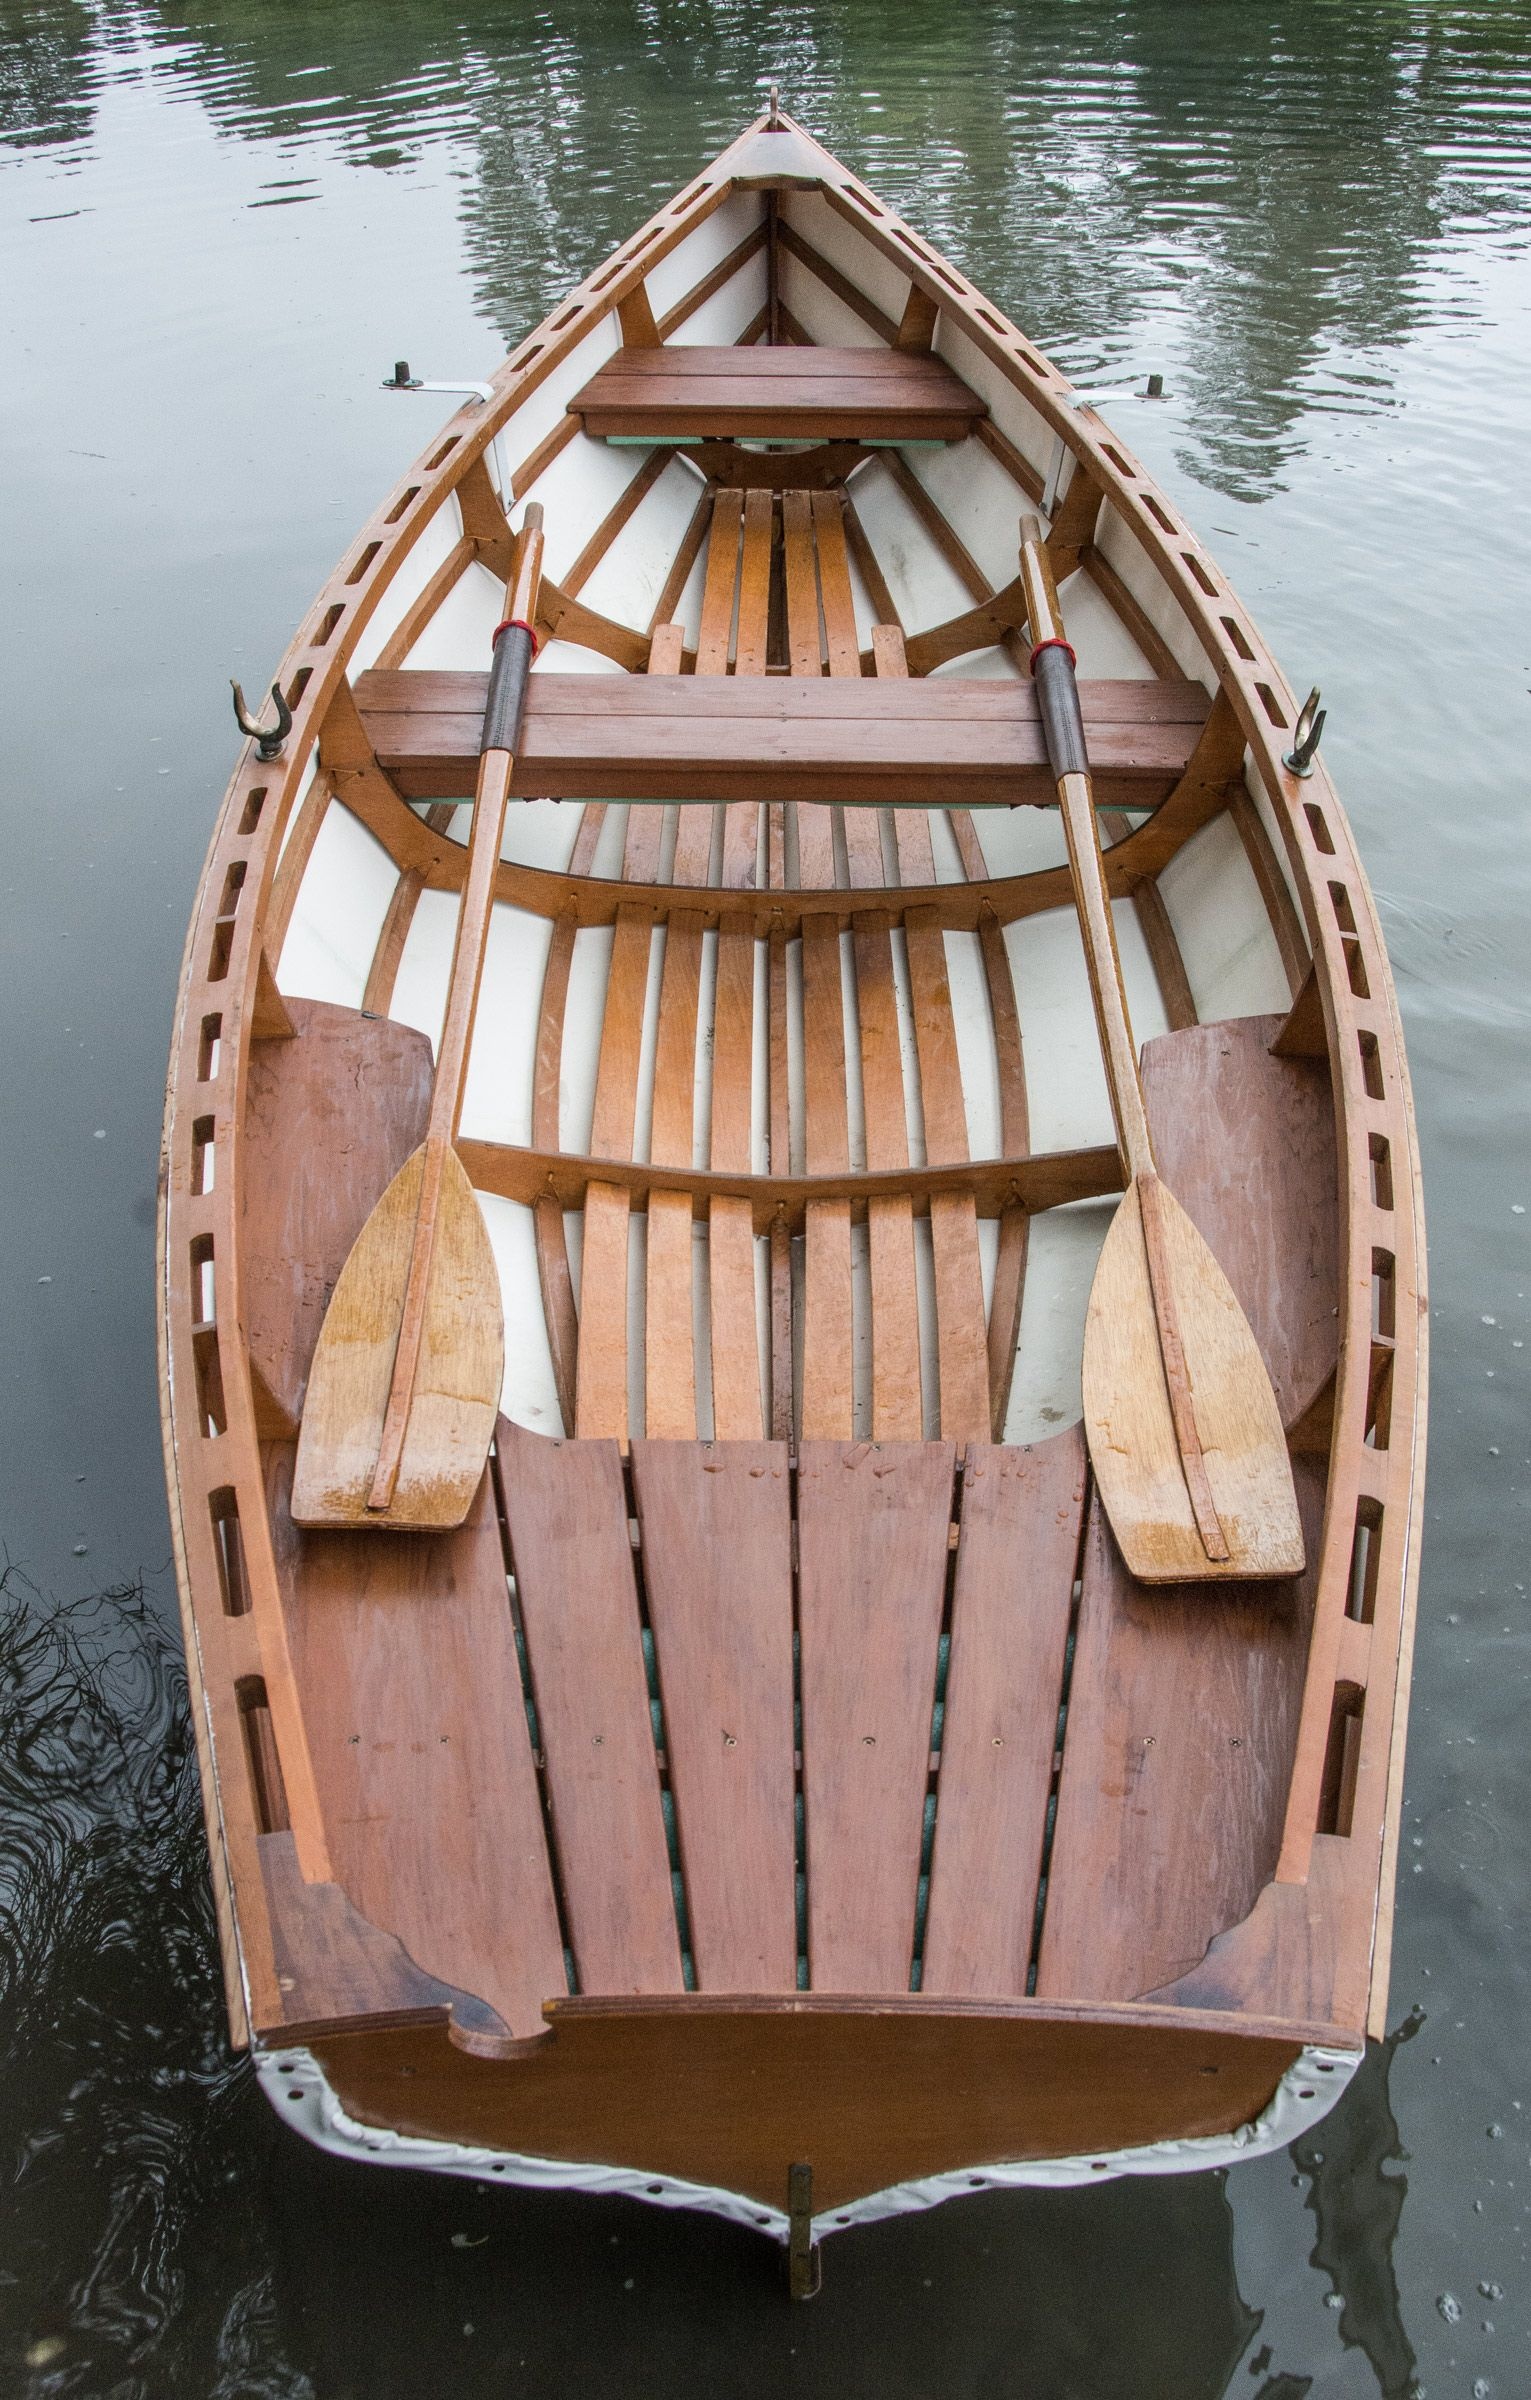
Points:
(790, 394)
(754, 737)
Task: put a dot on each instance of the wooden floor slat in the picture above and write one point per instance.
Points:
(719, 586)
(827, 1340)
(426, 1781)
(736, 1403)
(566, 1514)
(896, 1395)
(600, 1397)
(741, 820)
(962, 1338)
(601, 1369)
(616, 1082)
(805, 651)
(554, 1278)
(669, 1356)
(1015, 1141)
(717, 1563)
(643, 839)
(672, 1127)
(872, 1540)
(1019, 1545)
(736, 1410)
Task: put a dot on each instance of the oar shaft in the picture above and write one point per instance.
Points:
(509, 670)
(515, 644)
(1052, 666)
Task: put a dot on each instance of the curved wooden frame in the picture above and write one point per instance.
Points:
(1315, 1948)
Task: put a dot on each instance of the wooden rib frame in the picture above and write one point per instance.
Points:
(1310, 1950)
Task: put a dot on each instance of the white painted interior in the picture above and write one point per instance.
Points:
(1061, 1256)
(1222, 925)
(821, 312)
(332, 935)
(497, 1099)
(1065, 1081)
(529, 1395)
(425, 963)
(845, 247)
(922, 587)
(304, 786)
(706, 247)
(530, 423)
(731, 310)
(1121, 549)
(628, 581)
(1100, 641)
(1013, 414)
(461, 632)
(979, 500)
(431, 549)
(578, 489)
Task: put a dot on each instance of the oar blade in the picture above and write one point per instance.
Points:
(1131, 1431)
(456, 1393)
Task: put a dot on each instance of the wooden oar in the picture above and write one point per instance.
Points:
(405, 1385)
(1184, 1432)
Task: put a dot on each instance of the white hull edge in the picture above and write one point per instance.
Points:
(301, 2093)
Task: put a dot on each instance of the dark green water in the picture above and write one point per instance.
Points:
(217, 231)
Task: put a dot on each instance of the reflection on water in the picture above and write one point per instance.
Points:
(1358, 2205)
(1269, 194)
(1295, 212)
(163, 2235)
(127, 2220)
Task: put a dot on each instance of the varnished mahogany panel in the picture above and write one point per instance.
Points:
(566, 1514)
(331, 1114)
(1021, 1511)
(872, 1542)
(870, 2095)
(405, 1655)
(1182, 1722)
(1246, 1139)
(716, 1520)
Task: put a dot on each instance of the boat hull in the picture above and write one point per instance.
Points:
(534, 1889)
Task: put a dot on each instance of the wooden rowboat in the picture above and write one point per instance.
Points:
(770, 1791)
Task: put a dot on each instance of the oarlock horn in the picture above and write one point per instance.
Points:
(1305, 740)
(270, 740)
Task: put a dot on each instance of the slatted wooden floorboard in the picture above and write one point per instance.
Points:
(809, 1365)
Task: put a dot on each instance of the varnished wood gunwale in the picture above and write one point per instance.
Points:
(1340, 1977)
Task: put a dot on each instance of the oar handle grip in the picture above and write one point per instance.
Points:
(1052, 659)
(515, 641)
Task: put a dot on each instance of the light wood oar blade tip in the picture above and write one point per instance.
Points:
(457, 1389)
(1130, 1427)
